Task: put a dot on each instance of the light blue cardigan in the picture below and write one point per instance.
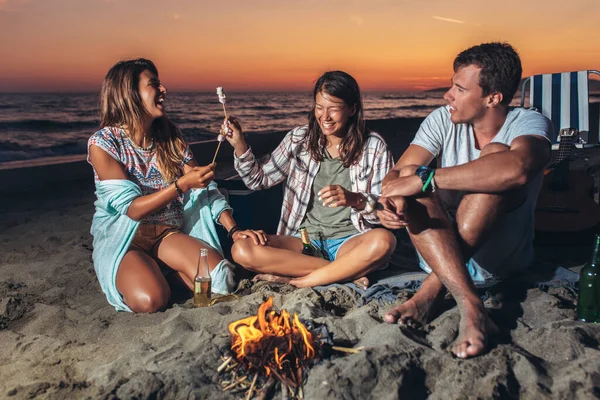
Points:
(113, 232)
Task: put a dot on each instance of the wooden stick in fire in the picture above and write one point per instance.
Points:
(234, 384)
(350, 350)
(266, 390)
(251, 390)
(225, 363)
(221, 137)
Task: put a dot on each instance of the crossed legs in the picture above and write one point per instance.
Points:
(282, 259)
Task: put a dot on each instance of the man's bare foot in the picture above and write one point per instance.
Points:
(475, 327)
(417, 310)
(271, 278)
(362, 282)
(413, 313)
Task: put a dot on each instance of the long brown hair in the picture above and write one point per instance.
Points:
(121, 106)
(343, 86)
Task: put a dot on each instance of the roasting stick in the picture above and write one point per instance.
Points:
(222, 100)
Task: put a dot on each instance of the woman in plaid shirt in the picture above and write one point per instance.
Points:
(333, 169)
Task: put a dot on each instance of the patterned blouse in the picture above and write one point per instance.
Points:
(291, 161)
(141, 168)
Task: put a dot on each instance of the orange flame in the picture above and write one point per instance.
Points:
(272, 342)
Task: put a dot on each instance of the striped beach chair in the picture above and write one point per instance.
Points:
(564, 99)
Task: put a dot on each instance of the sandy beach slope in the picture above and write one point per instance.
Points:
(61, 339)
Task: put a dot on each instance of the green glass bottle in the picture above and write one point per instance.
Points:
(588, 304)
(307, 247)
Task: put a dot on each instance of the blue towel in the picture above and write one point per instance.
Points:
(113, 232)
(388, 283)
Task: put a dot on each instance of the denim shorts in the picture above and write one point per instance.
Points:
(331, 246)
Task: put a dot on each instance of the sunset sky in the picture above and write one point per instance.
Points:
(267, 45)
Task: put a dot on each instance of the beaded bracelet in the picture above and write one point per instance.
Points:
(179, 191)
(233, 230)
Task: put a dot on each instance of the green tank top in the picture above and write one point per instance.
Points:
(332, 223)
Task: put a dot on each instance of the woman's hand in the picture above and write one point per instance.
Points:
(259, 237)
(391, 211)
(337, 196)
(232, 130)
(197, 177)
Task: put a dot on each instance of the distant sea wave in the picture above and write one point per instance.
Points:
(10, 151)
(59, 124)
(42, 125)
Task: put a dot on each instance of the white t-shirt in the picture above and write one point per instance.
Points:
(510, 246)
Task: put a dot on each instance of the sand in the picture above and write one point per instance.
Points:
(61, 339)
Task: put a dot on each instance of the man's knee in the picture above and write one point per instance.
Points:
(468, 230)
(491, 148)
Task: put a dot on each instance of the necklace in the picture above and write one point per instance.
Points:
(143, 146)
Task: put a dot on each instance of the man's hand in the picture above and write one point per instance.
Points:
(337, 196)
(405, 184)
(391, 212)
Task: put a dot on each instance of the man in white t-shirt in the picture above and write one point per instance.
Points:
(471, 218)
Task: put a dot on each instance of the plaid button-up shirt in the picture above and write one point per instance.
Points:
(292, 160)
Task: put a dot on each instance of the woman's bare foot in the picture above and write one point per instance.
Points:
(271, 278)
(362, 282)
(475, 327)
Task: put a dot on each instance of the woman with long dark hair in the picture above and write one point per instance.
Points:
(156, 207)
(333, 169)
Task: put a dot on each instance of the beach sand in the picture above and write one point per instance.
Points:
(61, 339)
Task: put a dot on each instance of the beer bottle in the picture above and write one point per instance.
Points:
(307, 247)
(588, 303)
(202, 281)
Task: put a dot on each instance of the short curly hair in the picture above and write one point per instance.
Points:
(500, 68)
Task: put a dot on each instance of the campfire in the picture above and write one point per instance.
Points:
(272, 345)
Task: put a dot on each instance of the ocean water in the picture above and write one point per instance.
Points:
(33, 126)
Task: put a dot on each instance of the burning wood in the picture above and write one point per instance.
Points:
(271, 344)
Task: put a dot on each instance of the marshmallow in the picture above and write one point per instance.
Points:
(222, 97)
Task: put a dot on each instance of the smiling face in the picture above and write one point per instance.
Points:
(152, 93)
(465, 97)
(332, 114)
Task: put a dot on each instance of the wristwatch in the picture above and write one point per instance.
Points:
(426, 174)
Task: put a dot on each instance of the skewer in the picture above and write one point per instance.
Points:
(216, 152)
